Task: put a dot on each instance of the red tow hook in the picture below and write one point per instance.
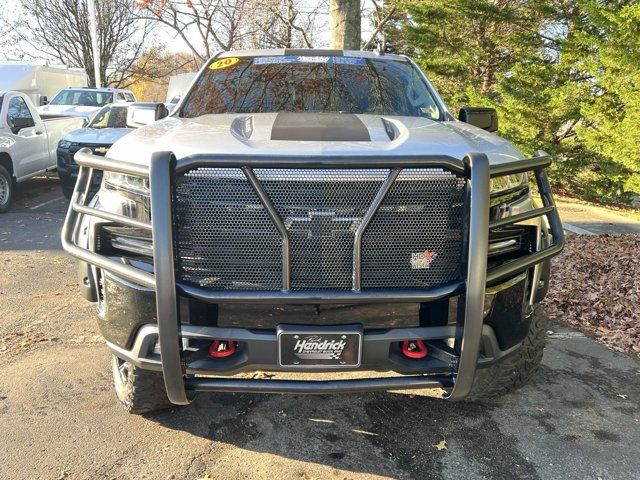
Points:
(414, 349)
(222, 348)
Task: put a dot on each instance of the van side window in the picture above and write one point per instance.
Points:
(18, 110)
(121, 97)
(130, 97)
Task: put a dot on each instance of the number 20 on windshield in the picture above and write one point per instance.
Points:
(223, 63)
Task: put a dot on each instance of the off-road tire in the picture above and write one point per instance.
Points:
(8, 187)
(517, 369)
(139, 391)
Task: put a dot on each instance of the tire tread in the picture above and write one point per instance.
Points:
(516, 370)
(143, 392)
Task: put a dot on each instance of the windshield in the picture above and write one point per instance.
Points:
(86, 98)
(110, 117)
(311, 84)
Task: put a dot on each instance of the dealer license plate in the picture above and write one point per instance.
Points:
(311, 347)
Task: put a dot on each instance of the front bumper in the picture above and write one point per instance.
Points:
(68, 171)
(470, 333)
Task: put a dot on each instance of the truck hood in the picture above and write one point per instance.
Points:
(310, 134)
(106, 136)
(70, 110)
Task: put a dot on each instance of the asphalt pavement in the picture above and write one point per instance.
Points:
(579, 418)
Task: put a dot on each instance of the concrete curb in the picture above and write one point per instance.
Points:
(576, 230)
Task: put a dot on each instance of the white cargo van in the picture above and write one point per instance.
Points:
(39, 82)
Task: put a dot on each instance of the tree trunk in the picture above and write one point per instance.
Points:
(345, 24)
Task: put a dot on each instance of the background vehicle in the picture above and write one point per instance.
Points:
(178, 86)
(109, 125)
(39, 82)
(308, 211)
(173, 103)
(27, 142)
(85, 102)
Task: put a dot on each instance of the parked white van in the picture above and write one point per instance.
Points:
(39, 82)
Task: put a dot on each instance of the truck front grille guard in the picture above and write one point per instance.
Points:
(163, 166)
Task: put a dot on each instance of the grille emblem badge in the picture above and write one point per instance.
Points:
(422, 260)
(321, 224)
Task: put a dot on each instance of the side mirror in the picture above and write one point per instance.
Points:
(44, 100)
(484, 118)
(18, 123)
(144, 113)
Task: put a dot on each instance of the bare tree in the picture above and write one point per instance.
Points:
(381, 16)
(153, 70)
(206, 26)
(346, 20)
(287, 23)
(59, 29)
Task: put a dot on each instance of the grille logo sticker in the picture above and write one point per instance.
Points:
(422, 260)
(313, 347)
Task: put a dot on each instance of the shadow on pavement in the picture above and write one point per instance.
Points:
(377, 433)
(577, 418)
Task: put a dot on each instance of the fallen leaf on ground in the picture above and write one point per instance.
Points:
(594, 287)
(440, 446)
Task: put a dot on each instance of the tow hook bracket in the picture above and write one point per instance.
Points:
(414, 349)
(222, 348)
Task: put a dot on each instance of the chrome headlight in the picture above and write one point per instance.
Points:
(65, 144)
(127, 194)
(129, 184)
(508, 182)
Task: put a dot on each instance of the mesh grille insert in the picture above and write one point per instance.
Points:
(415, 238)
(225, 239)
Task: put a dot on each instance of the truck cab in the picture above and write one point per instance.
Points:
(28, 141)
(85, 102)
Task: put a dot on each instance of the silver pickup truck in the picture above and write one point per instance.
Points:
(28, 141)
(314, 211)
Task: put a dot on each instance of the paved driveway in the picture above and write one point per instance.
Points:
(579, 418)
(585, 219)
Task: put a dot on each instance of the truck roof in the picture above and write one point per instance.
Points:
(95, 89)
(309, 52)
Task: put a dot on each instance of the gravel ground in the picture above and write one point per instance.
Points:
(579, 418)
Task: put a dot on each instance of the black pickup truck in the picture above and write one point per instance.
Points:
(314, 211)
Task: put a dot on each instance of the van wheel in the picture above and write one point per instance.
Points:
(7, 187)
(139, 391)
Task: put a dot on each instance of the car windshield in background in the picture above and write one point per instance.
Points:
(110, 117)
(85, 98)
(311, 84)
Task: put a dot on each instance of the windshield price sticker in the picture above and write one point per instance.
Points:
(224, 63)
(309, 59)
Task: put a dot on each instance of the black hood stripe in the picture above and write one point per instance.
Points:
(317, 127)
